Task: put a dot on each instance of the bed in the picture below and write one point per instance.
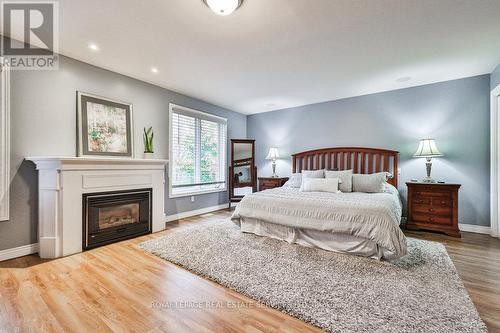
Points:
(364, 224)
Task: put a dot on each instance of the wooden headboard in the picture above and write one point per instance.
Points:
(361, 160)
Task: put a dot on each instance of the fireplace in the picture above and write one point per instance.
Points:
(110, 217)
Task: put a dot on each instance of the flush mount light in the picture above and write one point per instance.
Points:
(223, 7)
(154, 70)
(93, 47)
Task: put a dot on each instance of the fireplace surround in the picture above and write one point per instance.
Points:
(63, 182)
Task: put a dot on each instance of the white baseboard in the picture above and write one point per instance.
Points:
(184, 215)
(478, 229)
(18, 251)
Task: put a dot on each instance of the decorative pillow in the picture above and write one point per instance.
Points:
(313, 174)
(345, 179)
(320, 185)
(390, 189)
(295, 181)
(374, 183)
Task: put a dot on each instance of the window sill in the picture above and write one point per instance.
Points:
(189, 194)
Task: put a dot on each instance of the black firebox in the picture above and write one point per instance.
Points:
(110, 217)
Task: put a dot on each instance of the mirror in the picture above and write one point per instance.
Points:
(242, 175)
(242, 152)
(242, 172)
(242, 164)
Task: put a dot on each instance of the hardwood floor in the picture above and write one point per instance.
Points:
(120, 288)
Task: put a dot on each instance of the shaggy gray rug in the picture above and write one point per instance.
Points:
(420, 292)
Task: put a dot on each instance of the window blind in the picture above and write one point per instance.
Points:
(198, 152)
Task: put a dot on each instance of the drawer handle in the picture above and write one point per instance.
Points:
(420, 201)
(431, 219)
(431, 210)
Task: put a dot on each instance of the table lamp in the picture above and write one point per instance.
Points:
(273, 155)
(427, 148)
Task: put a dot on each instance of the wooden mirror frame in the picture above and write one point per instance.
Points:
(253, 170)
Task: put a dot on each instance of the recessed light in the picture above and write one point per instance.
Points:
(154, 70)
(93, 47)
(403, 79)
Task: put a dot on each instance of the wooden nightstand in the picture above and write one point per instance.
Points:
(433, 206)
(266, 183)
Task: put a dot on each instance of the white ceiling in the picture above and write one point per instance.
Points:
(274, 54)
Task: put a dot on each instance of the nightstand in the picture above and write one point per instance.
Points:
(434, 207)
(266, 183)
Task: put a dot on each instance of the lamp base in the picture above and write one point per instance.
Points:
(428, 180)
(428, 166)
(274, 170)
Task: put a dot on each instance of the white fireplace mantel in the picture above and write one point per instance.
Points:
(63, 180)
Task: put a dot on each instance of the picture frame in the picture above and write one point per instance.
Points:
(105, 127)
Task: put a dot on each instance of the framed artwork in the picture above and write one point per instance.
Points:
(105, 127)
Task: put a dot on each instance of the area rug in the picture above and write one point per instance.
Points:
(420, 292)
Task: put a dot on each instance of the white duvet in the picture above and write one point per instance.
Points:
(373, 216)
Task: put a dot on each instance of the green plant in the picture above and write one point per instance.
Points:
(148, 140)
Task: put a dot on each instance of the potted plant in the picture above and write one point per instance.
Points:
(148, 142)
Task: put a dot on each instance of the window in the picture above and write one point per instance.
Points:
(4, 141)
(197, 159)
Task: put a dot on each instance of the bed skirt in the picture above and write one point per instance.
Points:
(342, 243)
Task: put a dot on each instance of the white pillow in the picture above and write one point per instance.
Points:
(313, 174)
(320, 185)
(345, 179)
(373, 183)
(295, 181)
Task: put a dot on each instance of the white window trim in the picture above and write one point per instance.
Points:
(5, 141)
(495, 163)
(199, 192)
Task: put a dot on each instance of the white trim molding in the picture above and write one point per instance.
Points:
(17, 252)
(478, 229)
(494, 164)
(191, 213)
(4, 141)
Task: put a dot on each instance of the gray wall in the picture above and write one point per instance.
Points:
(455, 113)
(495, 78)
(43, 121)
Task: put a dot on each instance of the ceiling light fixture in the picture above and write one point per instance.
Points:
(223, 7)
(93, 47)
(154, 70)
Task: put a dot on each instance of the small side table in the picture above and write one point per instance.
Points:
(434, 207)
(266, 183)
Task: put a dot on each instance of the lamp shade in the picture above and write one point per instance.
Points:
(273, 154)
(427, 148)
